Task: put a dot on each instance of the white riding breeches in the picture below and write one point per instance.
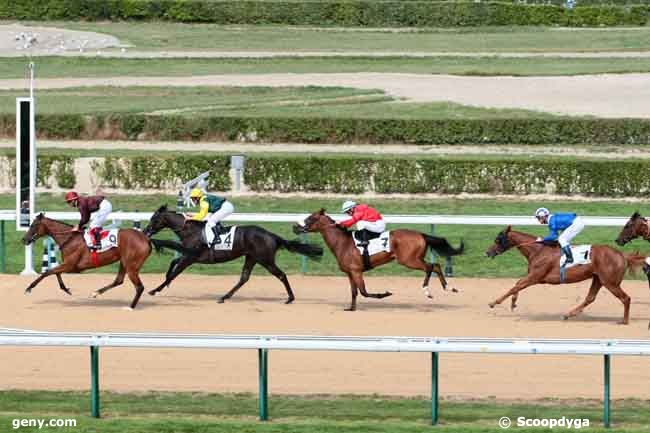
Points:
(571, 232)
(226, 209)
(378, 226)
(101, 215)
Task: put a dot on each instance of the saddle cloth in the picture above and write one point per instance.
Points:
(227, 238)
(376, 245)
(581, 256)
(108, 239)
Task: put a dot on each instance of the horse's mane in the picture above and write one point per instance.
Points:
(57, 221)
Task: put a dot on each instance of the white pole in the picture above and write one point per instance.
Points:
(29, 266)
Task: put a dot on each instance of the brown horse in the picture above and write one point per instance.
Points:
(132, 251)
(408, 247)
(607, 268)
(636, 227)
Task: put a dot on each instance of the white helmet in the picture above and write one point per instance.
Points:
(349, 204)
(541, 212)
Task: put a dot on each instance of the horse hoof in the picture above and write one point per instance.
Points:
(67, 291)
(221, 300)
(127, 308)
(288, 301)
(621, 322)
(350, 309)
(430, 296)
(491, 304)
(454, 290)
(94, 295)
(565, 317)
(152, 292)
(387, 294)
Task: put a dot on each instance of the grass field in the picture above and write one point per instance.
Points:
(192, 412)
(62, 67)
(249, 101)
(175, 36)
(472, 264)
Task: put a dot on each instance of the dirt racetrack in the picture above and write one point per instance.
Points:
(188, 306)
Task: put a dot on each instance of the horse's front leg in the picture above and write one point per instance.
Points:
(527, 281)
(62, 284)
(180, 266)
(61, 269)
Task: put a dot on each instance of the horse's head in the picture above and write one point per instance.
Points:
(36, 230)
(313, 223)
(635, 227)
(501, 243)
(157, 221)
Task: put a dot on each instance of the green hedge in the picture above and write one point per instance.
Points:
(360, 174)
(564, 131)
(59, 168)
(335, 12)
(145, 172)
(448, 175)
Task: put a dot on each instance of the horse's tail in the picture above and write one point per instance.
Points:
(306, 249)
(442, 246)
(161, 244)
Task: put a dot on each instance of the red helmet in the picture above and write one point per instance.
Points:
(69, 196)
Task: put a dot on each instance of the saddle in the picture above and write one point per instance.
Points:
(376, 243)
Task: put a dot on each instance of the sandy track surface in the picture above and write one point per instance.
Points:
(210, 54)
(598, 95)
(613, 152)
(188, 306)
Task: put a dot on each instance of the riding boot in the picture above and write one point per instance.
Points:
(217, 231)
(569, 255)
(97, 232)
(365, 234)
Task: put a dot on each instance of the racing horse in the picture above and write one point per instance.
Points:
(256, 244)
(636, 227)
(607, 268)
(408, 247)
(132, 250)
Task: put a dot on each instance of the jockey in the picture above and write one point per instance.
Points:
(569, 223)
(368, 220)
(218, 207)
(98, 206)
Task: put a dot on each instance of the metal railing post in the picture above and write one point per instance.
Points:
(3, 263)
(94, 381)
(263, 358)
(434, 388)
(606, 420)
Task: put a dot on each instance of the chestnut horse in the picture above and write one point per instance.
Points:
(636, 227)
(132, 251)
(408, 247)
(607, 268)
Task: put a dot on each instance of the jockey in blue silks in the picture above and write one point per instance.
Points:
(568, 223)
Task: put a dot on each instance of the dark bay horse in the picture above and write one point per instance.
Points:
(408, 247)
(607, 268)
(132, 251)
(256, 244)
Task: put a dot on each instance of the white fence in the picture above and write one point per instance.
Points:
(264, 343)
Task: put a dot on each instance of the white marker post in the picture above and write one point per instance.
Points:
(26, 166)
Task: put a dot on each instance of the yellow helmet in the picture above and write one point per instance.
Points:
(196, 193)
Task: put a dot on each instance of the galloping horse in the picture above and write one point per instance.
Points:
(132, 251)
(607, 268)
(408, 247)
(255, 243)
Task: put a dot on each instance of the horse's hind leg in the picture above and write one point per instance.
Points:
(591, 296)
(624, 298)
(249, 264)
(62, 284)
(119, 279)
(137, 283)
(280, 275)
(428, 268)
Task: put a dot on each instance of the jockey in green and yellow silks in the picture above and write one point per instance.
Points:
(213, 207)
